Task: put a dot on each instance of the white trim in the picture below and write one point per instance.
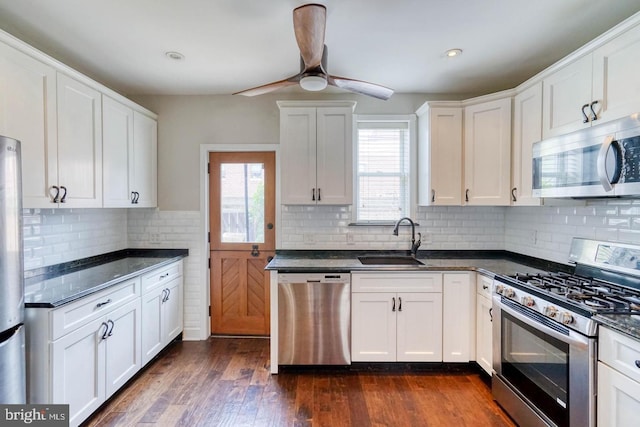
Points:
(205, 149)
(302, 104)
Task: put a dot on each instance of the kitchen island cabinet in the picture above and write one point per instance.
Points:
(316, 141)
(396, 317)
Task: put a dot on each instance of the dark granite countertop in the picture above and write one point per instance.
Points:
(61, 284)
(627, 324)
(486, 262)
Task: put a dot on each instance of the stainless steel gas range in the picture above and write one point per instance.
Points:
(545, 338)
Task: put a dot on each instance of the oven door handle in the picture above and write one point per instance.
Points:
(571, 340)
(601, 163)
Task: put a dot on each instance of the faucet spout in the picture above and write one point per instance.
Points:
(414, 245)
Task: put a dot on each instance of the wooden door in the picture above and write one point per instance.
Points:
(242, 240)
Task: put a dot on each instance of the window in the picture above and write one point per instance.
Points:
(383, 169)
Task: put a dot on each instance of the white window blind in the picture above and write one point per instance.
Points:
(382, 171)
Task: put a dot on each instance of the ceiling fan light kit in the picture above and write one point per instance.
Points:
(309, 22)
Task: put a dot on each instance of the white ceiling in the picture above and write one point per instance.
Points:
(231, 45)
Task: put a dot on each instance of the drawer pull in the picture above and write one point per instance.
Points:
(100, 304)
(485, 287)
(164, 276)
(638, 363)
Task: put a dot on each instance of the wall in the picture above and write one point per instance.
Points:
(442, 227)
(546, 231)
(53, 236)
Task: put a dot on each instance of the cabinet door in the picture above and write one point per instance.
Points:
(152, 338)
(28, 113)
(564, 94)
(117, 138)
(373, 327)
(334, 151)
(123, 354)
(440, 157)
(298, 155)
(458, 318)
(527, 129)
(618, 398)
(419, 330)
(79, 143)
(487, 152)
(484, 331)
(172, 311)
(143, 163)
(616, 67)
(78, 366)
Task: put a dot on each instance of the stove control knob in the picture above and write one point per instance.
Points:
(567, 318)
(528, 301)
(499, 289)
(551, 311)
(509, 293)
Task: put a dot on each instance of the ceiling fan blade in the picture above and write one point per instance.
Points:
(309, 23)
(358, 86)
(270, 87)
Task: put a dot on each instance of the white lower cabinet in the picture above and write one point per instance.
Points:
(458, 317)
(396, 317)
(83, 352)
(161, 309)
(618, 379)
(484, 323)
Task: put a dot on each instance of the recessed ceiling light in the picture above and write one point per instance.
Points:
(176, 56)
(453, 52)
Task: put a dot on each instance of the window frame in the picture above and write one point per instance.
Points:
(410, 119)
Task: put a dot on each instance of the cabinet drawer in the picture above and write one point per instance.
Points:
(161, 276)
(620, 352)
(74, 315)
(396, 282)
(484, 285)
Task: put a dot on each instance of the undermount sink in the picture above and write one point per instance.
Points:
(389, 260)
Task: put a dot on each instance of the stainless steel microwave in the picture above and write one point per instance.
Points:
(601, 161)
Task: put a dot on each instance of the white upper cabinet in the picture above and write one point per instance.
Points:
(487, 153)
(79, 145)
(596, 88)
(129, 156)
(316, 152)
(439, 155)
(117, 137)
(28, 113)
(527, 129)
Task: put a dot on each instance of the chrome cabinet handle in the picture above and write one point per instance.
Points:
(393, 307)
(55, 198)
(466, 195)
(601, 163)
(594, 116)
(586, 118)
(63, 199)
(100, 304)
(433, 196)
(513, 194)
(399, 303)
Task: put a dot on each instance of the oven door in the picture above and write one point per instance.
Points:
(544, 371)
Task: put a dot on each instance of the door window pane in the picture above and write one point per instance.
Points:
(242, 202)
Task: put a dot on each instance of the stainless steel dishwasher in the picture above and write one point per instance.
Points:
(314, 319)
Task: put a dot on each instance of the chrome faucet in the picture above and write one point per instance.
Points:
(414, 245)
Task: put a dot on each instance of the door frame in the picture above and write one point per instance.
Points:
(205, 149)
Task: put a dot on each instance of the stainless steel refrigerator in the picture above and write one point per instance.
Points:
(12, 338)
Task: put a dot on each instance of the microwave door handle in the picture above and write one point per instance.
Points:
(575, 340)
(601, 163)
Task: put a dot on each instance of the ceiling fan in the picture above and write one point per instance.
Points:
(309, 23)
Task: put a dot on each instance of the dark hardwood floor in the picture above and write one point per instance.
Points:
(226, 382)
